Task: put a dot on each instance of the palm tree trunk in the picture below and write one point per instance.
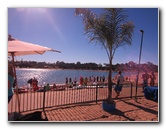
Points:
(110, 83)
(110, 77)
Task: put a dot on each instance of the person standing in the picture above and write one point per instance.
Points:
(118, 87)
(145, 78)
(66, 81)
(86, 81)
(152, 78)
(81, 80)
(35, 84)
(75, 81)
(10, 82)
(103, 79)
(70, 83)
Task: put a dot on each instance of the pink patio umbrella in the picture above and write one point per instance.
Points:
(19, 48)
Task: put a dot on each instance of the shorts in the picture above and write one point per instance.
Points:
(118, 88)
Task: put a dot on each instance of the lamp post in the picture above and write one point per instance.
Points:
(142, 32)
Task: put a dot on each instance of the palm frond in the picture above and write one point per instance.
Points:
(110, 29)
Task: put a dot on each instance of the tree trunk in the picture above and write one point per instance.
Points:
(110, 82)
(110, 77)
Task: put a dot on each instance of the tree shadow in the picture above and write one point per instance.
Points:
(143, 108)
(103, 116)
(70, 106)
(120, 113)
(115, 112)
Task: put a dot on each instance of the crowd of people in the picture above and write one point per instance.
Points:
(146, 77)
(33, 84)
(85, 80)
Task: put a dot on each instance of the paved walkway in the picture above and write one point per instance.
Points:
(126, 110)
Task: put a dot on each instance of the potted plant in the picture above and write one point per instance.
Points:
(111, 30)
(108, 105)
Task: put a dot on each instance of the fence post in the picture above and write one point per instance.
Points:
(96, 92)
(44, 98)
(131, 90)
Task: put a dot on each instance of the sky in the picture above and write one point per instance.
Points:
(60, 29)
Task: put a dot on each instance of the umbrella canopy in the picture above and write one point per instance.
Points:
(20, 48)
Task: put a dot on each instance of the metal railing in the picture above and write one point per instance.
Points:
(33, 100)
(64, 95)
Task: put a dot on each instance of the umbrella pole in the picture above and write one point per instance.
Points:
(16, 82)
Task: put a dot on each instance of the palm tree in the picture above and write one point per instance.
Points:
(109, 29)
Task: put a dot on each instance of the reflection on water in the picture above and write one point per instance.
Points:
(51, 76)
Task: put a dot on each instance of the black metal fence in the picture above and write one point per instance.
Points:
(51, 97)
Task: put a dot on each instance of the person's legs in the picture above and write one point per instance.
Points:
(9, 98)
(118, 90)
(145, 83)
(117, 94)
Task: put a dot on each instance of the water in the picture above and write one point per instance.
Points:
(51, 76)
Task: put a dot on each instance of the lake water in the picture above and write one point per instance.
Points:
(51, 76)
